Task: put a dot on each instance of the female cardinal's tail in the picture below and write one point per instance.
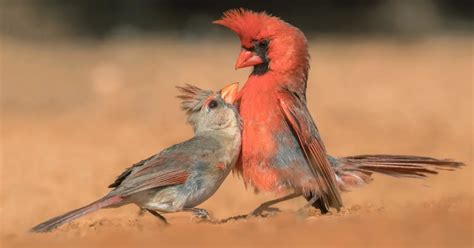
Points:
(357, 170)
(74, 214)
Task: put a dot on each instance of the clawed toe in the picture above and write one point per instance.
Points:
(264, 211)
(201, 214)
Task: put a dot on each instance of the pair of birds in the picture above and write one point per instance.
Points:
(274, 143)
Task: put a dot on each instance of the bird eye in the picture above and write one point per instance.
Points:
(212, 104)
(263, 43)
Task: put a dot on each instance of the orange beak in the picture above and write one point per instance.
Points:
(247, 58)
(229, 93)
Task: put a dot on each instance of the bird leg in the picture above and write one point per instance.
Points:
(258, 211)
(141, 211)
(310, 202)
(161, 217)
(266, 205)
(316, 202)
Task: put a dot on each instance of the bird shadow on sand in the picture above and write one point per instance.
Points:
(241, 217)
(233, 218)
(210, 220)
(301, 213)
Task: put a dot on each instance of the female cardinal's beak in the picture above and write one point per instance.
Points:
(247, 58)
(229, 93)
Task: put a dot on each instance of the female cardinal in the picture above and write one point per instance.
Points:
(281, 146)
(184, 175)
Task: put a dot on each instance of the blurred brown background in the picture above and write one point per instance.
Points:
(87, 88)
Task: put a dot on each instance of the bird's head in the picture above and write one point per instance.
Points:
(268, 43)
(208, 110)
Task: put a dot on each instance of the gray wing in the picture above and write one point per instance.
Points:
(170, 167)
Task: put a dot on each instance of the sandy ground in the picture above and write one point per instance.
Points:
(74, 115)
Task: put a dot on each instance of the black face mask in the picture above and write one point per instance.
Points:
(261, 49)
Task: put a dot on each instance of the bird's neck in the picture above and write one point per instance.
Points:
(290, 70)
(229, 131)
(230, 138)
(275, 80)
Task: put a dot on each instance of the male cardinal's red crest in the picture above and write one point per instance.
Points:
(282, 46)
(249, 25)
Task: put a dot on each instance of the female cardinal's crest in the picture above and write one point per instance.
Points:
(193, 98)
(206, 108)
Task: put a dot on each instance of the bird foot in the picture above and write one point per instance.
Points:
(264, 211)
(201, 215)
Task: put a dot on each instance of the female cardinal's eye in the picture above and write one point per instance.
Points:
(212, 104)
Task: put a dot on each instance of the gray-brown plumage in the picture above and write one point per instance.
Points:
(184, 175)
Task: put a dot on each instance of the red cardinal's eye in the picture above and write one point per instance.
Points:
(212, 104)
(263, 44)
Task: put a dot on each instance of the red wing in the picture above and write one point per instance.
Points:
(301, 123)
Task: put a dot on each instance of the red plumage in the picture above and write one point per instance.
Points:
(281, 147)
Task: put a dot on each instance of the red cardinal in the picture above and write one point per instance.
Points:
(282, 150)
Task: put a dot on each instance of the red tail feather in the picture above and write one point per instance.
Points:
(356, 170)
